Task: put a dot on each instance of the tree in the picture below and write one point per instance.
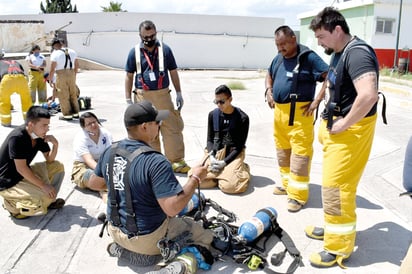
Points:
(113, 7)
(58, 6)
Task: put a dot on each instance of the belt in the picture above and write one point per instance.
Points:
(36, 69)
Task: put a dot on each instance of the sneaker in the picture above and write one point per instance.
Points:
(279, 190)
(59, 203)
(175, 267)
(18, 216)
(180, 167)
(65, 118)
(315, 232)
(133, 258)
(114, 250)
(323, 259)
(294, 206)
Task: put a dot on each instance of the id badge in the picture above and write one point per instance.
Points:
(152, 76)
(289, 74)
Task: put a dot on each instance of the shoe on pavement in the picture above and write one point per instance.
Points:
(59, 203)
(180, 167)
(294, 206)
(279, 190)
(65, 118)
(18, 216)
(175, 267)
(315, 232)
(133, 258)
(323, 259)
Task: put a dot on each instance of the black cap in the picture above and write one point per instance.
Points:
(55, 41)
(143, 112)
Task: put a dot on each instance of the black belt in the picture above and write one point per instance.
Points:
(36, 69)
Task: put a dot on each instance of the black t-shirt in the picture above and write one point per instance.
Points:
(18, 145)
(358, 60)
(233, 132)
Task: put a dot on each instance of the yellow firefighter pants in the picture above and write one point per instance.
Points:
(37, 85)
(67, 92)
(344, 158)
(28, 199)
(294, 150)
(11, 83)
(171, 128)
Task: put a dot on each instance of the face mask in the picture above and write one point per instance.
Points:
(36, 54)
(33, 135)
(149, 43)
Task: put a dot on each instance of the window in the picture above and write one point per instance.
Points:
(384, 25)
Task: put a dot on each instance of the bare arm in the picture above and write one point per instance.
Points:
(52, 71)
(268, 90)
(367, 96)
(96, 183)
(128, 85)
(89, 161)
(51, 155)
(175, 80)
(173, 205)
(76, 65)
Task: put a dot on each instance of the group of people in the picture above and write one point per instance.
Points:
(62, 79)
(136, 176)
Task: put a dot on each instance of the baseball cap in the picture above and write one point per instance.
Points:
(143, 112)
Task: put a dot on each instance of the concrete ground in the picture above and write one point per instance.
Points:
(67, 241)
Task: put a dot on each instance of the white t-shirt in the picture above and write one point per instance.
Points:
(36, 60)
(59, 56)
(83, 144)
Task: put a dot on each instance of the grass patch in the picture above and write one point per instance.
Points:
(236, 85)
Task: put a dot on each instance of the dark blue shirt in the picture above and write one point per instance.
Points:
(169, 64)
(311, 69)
(151, 177)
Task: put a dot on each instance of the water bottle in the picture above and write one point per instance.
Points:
(259, 223)
(192, 204)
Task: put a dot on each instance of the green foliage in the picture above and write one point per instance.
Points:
(58, 6)
(236, 85)
(113, 7)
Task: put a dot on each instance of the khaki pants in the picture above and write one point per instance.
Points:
(171, 128)
(234, 178)
(28, 199)
(171, 227)
(78, 174)
(67, 92)
(406, 266)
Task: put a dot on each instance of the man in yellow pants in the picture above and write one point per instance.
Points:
(290, 90)
(12, 80)
(346, 132)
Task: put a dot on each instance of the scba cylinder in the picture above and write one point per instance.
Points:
(259, 223)
(193, 204)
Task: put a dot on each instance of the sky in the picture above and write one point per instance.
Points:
(287, 9)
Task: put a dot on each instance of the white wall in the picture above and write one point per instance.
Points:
(388, 41)
(198, 41)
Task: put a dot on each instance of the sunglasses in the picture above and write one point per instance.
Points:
(219, 102)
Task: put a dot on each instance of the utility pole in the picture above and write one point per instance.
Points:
(395, 61)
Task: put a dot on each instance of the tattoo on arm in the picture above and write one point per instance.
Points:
(370, 74)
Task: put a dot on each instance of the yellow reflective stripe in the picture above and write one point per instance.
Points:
(341, 229)
(6, 116)
(284, 175)
(298, 185)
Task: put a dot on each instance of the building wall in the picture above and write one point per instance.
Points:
(361, 17)
(198, 41)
